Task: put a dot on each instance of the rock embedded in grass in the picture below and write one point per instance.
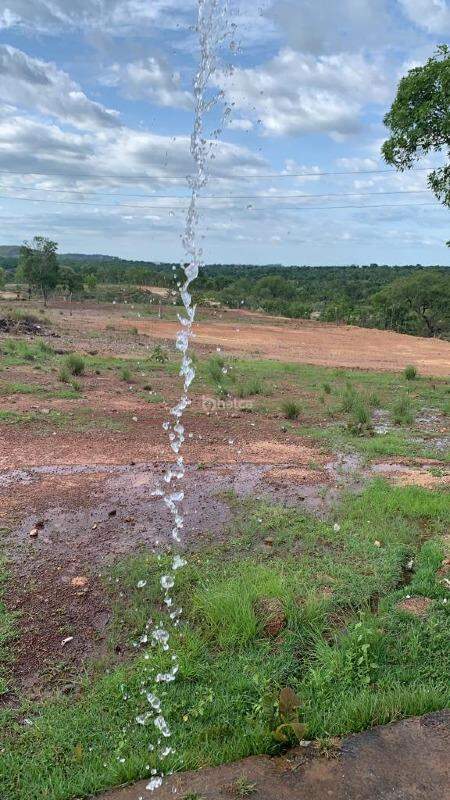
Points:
(270, 613)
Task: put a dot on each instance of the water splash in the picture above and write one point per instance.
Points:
(211, 29)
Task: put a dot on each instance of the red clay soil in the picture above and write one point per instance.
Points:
(296, 341)
(403, 761)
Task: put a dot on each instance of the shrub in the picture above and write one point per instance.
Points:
(215, 366)
(410, 373)
(374, 400)
(290, 409)
(75, 364)
(402, 412)
(125, 374)
(326, 388)
(349, 398)
(64, 375)
(249, 388)
(360, 420)
(160, 355)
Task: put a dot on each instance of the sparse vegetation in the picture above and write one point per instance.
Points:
(291, 409)
(75, 364)
(160, 355)
(349, 656)
(402, 412)
(410, 373)
(250, 388)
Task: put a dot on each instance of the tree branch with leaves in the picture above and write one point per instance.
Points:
(419, 121)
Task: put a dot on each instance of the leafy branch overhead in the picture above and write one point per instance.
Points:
(419, 120)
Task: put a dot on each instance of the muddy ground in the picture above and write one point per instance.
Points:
(403, 761)
(73, 501)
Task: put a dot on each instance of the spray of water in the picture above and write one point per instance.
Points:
(211, 29)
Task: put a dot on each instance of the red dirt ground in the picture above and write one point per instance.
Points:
(296, 341)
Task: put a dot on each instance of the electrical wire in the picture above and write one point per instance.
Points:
(144, 177)
(183, 208)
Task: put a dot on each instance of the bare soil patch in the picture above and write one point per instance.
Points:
(297, 341)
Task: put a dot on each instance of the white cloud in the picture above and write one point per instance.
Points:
(51, 16)
(431, 15)
(142, 17)
(41, 87)
(295, 93)
(151, 79)
(240, 124)
(124, 155)
(8, 19)
(330, 27)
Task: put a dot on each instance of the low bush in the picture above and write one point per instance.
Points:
(75, 364)
(402, 412)
(410, 373)
(291, 409)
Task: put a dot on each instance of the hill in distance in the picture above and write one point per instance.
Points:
(13, 251)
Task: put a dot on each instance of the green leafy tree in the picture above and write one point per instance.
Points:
(419, 120)
(38, 265)
(70, 280)
(2, 278)
(421, 300)
(90, 282)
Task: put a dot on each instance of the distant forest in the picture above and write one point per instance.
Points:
(408, 299)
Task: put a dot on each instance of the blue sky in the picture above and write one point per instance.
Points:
(96, 113)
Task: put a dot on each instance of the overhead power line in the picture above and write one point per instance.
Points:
(184, 208)
(215, 196)
(244, 176)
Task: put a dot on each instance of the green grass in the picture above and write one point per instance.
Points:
(78, 421)
(352, 664)
(410, 373)
(75, 364)
(399, 442)
(7, 635)
(9, 389)
(18, 352)
(291, 409)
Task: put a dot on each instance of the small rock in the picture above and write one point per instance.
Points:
(79, 582)
(66, 640)
(377, 543)
(112, 513)
(416, 606)
(44, 411)
(270, 612)
(34, 533)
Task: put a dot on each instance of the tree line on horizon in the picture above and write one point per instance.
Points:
(408, 299)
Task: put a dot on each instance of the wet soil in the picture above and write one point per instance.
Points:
(85, 493)
(403, 761)
(68, 512)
